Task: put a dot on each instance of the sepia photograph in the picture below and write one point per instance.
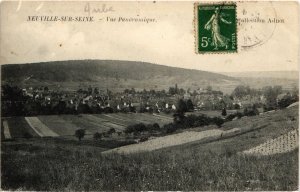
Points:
(149, 96)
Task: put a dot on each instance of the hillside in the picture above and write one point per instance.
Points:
(119, 75)
(215, 163)
(258, 79)
(266, 74)
(111, 74)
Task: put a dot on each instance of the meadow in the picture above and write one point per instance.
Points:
(51, 166)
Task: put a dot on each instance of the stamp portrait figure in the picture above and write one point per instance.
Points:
(218, 40)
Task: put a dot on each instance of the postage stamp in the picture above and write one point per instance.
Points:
(216, 28)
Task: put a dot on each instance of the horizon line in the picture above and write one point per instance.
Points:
(41, 62)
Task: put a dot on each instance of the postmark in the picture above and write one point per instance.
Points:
(256, 24)
(215, 28)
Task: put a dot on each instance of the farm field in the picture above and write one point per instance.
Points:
(171, 140)
(59, 125)
(39, 127)
(282, 144)
(18, 127)
(66, 125)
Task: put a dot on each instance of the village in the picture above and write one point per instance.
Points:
(44, 101)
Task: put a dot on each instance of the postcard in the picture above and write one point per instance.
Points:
(149, 95)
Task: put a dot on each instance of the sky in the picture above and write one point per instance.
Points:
(170, 40)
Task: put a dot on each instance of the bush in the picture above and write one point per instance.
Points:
(98, 136)
(196, 121)
(218, 121)
(251, 111)
(286, 101)
(80, 133)
(236, 106)
(144, 138)
(231, 117)
(111, 131)
(224, 112)
(169, 128)
(239, 115)
(27, 135)
(135, 128)
(156, 126)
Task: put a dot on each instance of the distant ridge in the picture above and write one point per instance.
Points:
(88, 70)
(113, 75)
(119, 75)
(266, 74)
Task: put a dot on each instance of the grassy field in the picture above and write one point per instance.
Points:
(59, 125)
(62, 164)
(19, 127)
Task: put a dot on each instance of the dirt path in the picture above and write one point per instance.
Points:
(40, 128)
(281, 144)
(6, 131)
(170, 140)
(163, 117)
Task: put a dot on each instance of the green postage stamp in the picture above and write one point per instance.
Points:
(216, 28)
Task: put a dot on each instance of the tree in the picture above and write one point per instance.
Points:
(90, 90)
(209, 88)
(156, 126)
(271, 94)
(176, 88)
(80, 133)
(189, 105)
(111, 131)
(236, 106)
(46, 89)
(218, 121)
(182, 107)
(61, 107)
(224, 112)
(251, 111)
(97, 136)
(286, 100)
(241, 91)
(172, 91)
(96, 90)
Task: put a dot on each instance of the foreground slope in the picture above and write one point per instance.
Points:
(54, 164)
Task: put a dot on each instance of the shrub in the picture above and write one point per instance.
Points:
(236, 106)
(231, 117)
(98, 136)
(218, 121)
(111, 131)
(196, 121)
(135, 128)
(286, 101)
(169, 128)
(239, 115)
(156, 126)
(178, 117)
(252, 111)
(144, 138)
(27, 135)
(80, 133)
(224, 112)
